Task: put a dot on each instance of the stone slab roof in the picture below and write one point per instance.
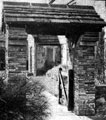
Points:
(33, 12)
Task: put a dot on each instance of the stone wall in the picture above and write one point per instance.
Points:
(17, 51)
(2, 40)
(84, 68)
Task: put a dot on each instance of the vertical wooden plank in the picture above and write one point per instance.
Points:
(71, 91)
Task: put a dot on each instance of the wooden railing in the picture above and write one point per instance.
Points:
(61, 86)
(69, 95)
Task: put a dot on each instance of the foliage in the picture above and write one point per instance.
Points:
(100, 109)
(23, 100)
(101, 113)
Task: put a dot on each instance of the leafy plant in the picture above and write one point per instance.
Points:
(23, 100)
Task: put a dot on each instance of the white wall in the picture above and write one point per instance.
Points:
(31, 43)
(63, 41)
(65, 60)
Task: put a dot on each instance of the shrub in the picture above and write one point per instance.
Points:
(23, 100)
(101, 111)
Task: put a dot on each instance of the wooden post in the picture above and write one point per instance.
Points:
(60, 92)
(63, 85)
(71, 91)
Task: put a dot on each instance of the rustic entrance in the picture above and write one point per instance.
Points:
(47, 57)
(81, 27)
(48, 53)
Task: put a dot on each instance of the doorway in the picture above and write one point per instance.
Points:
(47, 57)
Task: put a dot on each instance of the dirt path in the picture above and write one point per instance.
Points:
(59, 112)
